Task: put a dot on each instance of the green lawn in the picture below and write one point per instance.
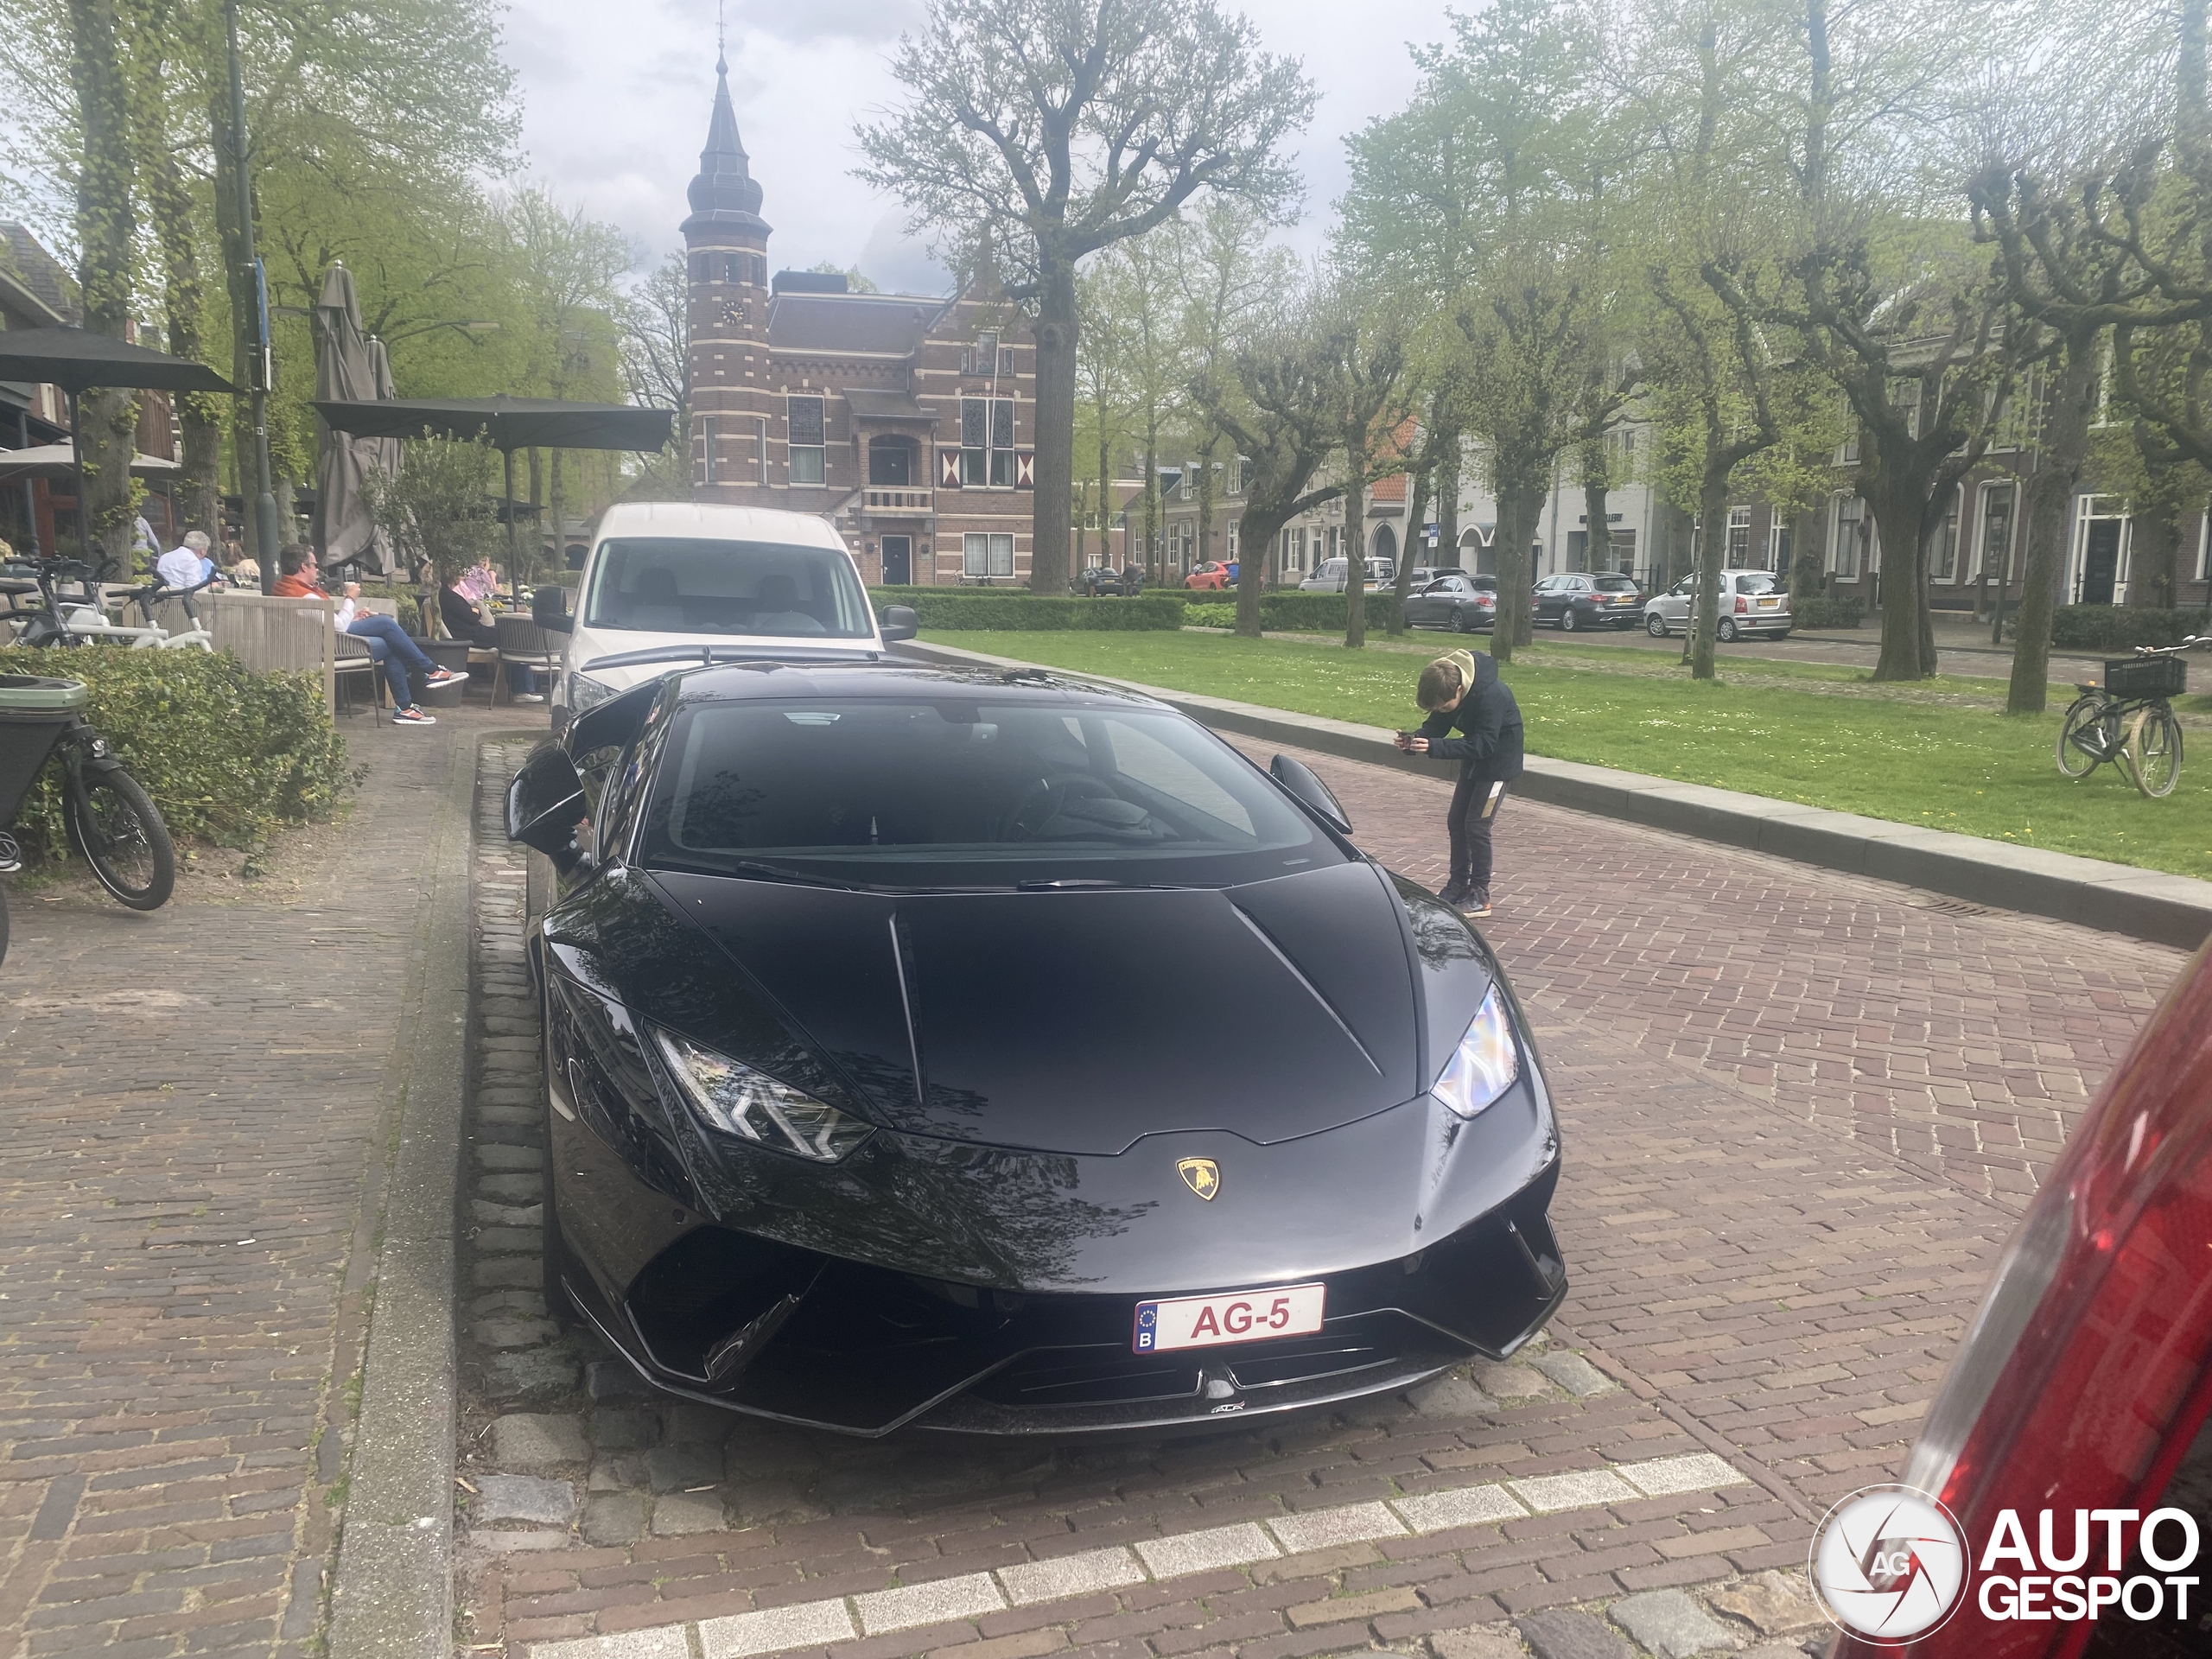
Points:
(1938, 753)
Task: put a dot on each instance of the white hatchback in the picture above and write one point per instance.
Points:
(1752, 602)
(672, 584)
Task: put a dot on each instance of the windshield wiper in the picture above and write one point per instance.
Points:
(781, 873)
(1068, 882)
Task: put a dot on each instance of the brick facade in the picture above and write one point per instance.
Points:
(907, 420)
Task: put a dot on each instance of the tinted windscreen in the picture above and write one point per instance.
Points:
(1615, 585)
(1757, 582)
(960, 792)
(674, 585)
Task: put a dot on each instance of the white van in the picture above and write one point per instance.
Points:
(673, 583)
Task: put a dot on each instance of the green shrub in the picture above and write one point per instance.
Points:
(934, 608)
(2111, 627)
(1209, 616)
(226, 754)
(406, 601)
(1814, 612)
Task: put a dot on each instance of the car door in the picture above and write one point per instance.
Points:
(1546, 600)
(1675, 604)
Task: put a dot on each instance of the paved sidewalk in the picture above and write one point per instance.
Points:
(1801, 1111)
(195, 1105)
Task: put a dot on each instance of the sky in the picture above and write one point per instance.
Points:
(616, 96)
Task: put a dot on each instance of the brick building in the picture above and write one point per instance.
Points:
(907, 420)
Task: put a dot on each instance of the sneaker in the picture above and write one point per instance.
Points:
(445, 676)
(1453, 894)
(530, 697)
(1477, 904)
(413, 717)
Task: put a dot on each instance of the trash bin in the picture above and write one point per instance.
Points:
(33, 713)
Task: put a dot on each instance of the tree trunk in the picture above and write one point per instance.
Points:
(1205, 502)
(2050, 516)
(1356, 555)
(106, 224)
(237, 283)
(1597, 539)
(1416, 504)
(1447, 499)
(1517, 507)
(1155, 554)
(185, 304)
(561, 534)
(2154, 550)
(1106, 494)
(1055, 334)
(1712, 553)
(1257, 530)
(1808, 561)
(1897, 514)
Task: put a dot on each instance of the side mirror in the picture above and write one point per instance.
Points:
(899, 622)
(1310, 791)
(545, 803)
(549, 608)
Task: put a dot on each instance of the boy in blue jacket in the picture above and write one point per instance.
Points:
(1461, 693)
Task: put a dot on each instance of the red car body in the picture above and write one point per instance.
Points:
(1207, 575)
(2086, 1378)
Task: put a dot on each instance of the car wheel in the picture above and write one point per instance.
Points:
(1726, 630)
(1567, 624)
(1655, 625)
(1460, 623)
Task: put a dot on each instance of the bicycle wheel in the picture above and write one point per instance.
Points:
(2082, 737)
(2156, 753)
(122, 836)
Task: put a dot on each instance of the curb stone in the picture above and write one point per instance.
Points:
(2149, 905)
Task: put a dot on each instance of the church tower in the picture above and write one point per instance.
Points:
(727, 244)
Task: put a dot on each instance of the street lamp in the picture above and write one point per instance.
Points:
(267, 536)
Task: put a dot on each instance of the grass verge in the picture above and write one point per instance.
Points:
(1937, 752)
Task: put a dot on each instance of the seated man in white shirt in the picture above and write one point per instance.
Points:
(187, 566)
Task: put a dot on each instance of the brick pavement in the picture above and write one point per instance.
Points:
(193, 1103)
(1801, 1112)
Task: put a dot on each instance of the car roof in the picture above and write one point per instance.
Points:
(890, 681)
(716, 521)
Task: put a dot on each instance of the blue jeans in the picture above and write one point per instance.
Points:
(388, 645)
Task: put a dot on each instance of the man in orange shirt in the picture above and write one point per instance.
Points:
(387, 641)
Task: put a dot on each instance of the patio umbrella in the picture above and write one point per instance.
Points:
(77, 360)
(508, 424)
(346, 362)
(59, 461)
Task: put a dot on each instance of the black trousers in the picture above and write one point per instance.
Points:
(1475, 806)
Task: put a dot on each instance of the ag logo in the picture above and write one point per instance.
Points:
(1201, 1175)
(1890, 1563)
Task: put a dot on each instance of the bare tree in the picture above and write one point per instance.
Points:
(1046, 130)
(657, 352)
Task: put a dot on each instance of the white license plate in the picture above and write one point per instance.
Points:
(1239, 1316)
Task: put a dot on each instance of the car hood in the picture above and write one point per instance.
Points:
(598, 651)
(1080, 1021)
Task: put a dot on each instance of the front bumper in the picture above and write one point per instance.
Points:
(763, 1328)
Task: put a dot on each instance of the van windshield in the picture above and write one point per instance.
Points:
(649, 584)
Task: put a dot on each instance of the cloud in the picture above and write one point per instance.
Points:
(871, 22)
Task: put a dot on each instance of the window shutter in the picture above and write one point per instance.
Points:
(1025, 469)
(948, 469)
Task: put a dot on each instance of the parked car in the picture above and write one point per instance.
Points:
(1587, 600)
(1211, 575)
(1331, 575)
(837, 1135)
(1424, 573)
(1752, 602)
(1098, 580)
(1464, 604)
(674, 582)
(2082, 1386)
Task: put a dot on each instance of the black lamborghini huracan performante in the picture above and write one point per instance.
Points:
(1003, 1053)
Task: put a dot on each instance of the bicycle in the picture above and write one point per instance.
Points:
(58, 621)
(110, 819)
(2128, 720)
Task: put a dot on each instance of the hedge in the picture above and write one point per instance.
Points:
(226, 754)
(936, 609)
(2113, 627)
(1814, 612)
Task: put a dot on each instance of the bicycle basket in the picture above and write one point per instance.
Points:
(33, 713)
(2146, 676)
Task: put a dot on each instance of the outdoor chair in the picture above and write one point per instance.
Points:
(523, 644)
(353, 663)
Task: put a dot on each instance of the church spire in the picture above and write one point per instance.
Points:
(724, 191)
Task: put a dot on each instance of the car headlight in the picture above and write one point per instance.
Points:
(736, 1099)
(584, 692)
(1484, 1064)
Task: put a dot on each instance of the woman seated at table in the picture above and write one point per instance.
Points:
(464, 606)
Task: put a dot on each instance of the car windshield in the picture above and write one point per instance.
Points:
(1757, 582)
(957, 790)
(1615, 585)
(681, 585)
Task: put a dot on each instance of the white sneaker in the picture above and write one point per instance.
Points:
(530, 697)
